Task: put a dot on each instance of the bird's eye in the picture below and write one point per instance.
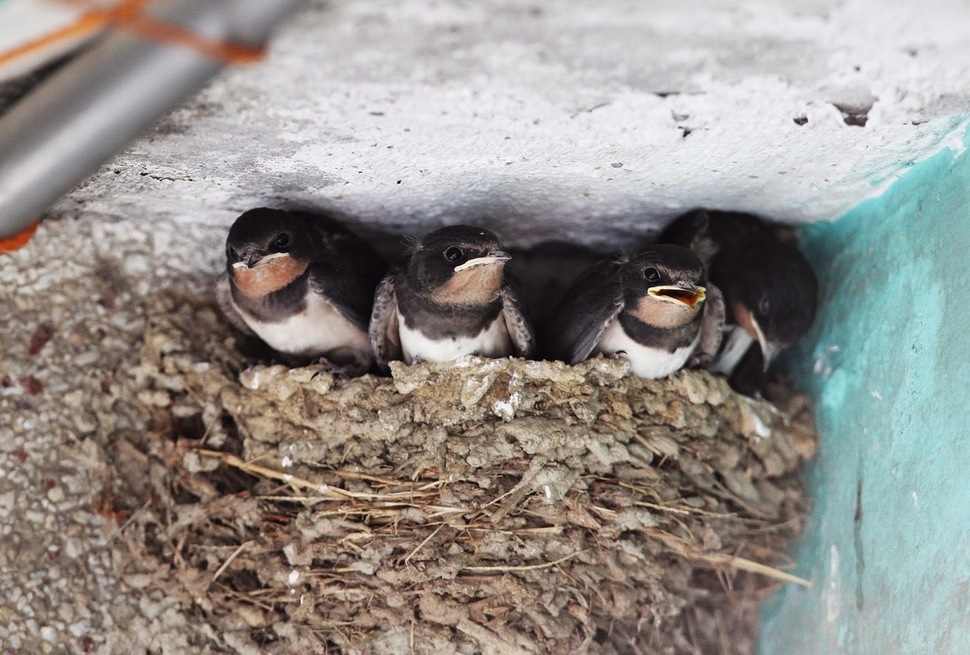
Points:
(282, 241)
(764, 306)
(454, 254)
(651, 274)
(231, 253)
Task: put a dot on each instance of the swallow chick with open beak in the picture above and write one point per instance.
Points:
(654, 308)
(303, 284)
(769, 288)
(451, 298)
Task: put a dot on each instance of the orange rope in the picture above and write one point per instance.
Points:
(164, 32)
(87, 24)
(19, 240)
(129, 8)
(127, 15)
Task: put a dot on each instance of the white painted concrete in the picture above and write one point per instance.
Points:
(558, 120)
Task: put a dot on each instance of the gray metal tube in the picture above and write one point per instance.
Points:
(91, 109)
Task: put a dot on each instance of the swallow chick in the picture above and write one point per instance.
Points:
(654, 308)
(770, 290)
(303, 284)
(451, 298)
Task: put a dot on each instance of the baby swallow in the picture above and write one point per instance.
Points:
(654, 308)
(450, 299)
(303, 284)
(769, 288)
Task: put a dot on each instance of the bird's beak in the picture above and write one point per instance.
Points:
(769, 350)
(493, 257)
(254, 259)
(684, 294)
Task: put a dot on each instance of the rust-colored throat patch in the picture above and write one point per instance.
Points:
(271, 273)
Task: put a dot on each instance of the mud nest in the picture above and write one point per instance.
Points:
(484, 506)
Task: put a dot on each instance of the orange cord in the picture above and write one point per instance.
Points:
(87, 24)
(164, 32)
(19, 240)
(127, 15)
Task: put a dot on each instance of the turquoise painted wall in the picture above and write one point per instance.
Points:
(888, 363)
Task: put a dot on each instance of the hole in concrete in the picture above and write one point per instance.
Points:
(854, 115)
(800, 120)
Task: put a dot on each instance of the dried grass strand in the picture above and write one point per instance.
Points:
(324, 490)
(493, 644)
(689, 551)
(526, 567)
(225, 565)
(744, 564)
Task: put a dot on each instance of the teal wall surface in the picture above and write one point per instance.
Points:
(887, 545)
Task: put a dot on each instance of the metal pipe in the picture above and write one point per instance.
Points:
(92, 108)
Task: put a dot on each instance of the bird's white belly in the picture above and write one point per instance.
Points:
(492, 341)
(317, 330)
(645, 362)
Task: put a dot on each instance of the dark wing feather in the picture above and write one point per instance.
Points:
(734, 230)
(692, 231)
(224, 300)
(346, 270)
(385, 338)
(712, 328)
(516, 322)
(586, 311)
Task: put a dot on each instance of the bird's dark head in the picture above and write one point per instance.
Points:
(458, 265)
(773, 297)
(266, 250)
(663, 285)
